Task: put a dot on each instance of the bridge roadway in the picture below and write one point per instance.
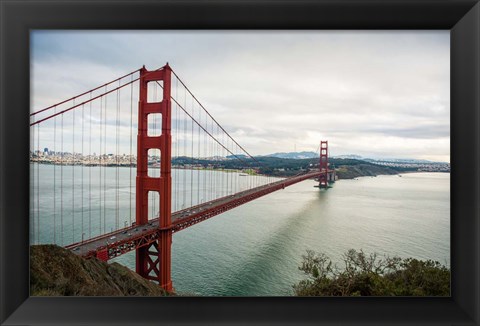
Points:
(116, 243)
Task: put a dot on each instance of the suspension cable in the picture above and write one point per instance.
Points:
(77, 96)
(194, 120)
(211, 115)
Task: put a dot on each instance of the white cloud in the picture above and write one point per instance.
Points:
(369, 93)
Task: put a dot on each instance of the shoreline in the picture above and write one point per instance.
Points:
(343, 172)
(249, 173)
(397, 174)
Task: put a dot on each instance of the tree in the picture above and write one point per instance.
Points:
(371, 275)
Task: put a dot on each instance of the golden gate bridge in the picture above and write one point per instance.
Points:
(89, 190)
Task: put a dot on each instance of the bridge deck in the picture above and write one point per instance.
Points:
(116, 243)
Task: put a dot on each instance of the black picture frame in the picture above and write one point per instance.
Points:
(17, 18)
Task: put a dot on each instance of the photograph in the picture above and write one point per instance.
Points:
(240, 163)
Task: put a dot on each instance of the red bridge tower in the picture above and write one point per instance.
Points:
(323, 166)
(153, 261)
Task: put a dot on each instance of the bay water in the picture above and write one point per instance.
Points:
(254, 249)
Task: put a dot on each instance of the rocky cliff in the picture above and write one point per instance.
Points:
(55, 271)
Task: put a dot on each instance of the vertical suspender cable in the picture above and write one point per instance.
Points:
(55, 178)
(131, 145)
(236, 173)
(82, 157)
(185, 152)
(220, 174)
(32, 185)
(213, 175)
(191, 167)
(73, 174)
(100, 179)
(61, 186)
(232, 173)
(210, 172)
(225, 143)
(222, 163)
(38, 187)
(217, 166)
(117, 162)
(198, 169)
(205, 161)
(231, 178)
(210, 155)
(105, 168)
(176, 145)
(222, 166)
(225, 173)
(90, 172)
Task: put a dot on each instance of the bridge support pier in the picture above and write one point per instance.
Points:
(153, 261)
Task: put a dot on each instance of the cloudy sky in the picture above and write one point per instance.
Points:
(375, 94)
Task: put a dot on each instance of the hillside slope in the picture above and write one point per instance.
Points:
(55, 271)
(361, 170)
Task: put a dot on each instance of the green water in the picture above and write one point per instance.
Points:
(255, 249)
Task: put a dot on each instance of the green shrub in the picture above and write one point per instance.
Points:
(371, 275)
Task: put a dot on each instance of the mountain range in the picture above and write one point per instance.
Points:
(305, 155)
(294, 155)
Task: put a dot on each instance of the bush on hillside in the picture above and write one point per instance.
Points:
(372, 275)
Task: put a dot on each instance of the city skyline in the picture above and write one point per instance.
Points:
(43, 150)
(374, 94)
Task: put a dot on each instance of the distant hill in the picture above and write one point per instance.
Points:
(294, 155)
(362, 170)
(349, 156)
(236, 156)
(398, 160)
(391, 160)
